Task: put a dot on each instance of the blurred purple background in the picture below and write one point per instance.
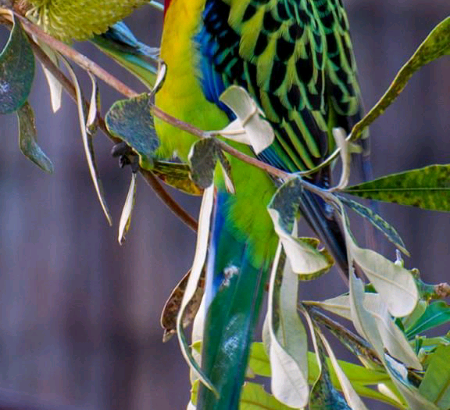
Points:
(80, 314)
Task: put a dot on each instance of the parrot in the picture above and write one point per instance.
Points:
(295, 59)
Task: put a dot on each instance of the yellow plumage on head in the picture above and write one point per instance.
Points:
(80, 19)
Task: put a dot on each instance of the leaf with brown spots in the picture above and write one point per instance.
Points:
(173, 304)
(426, 188)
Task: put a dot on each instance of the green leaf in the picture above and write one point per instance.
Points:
(288, 341)
(176, 175)
(377, 221)
(259, 363)
(426, 188)
(436, 45)
(435, 385)
(131, 121)
(303, 253)
(16, 70)
(359, 376)
(28, 139)
(436, 314)
(254, 397)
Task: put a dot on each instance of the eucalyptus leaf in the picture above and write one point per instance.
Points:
(319, 341)
(28, 139)
(394, 284)
(173, 304)
(125, 218)
(176, 175)
(377, 221)
(324, 396)
(303, 253)
(249, 127)
(435, 385)
(288, 341)
(254, 397)
(359, 376)
(55, 87)
(203, 158)
(346, 157)
(16, 70)
(193, 282)
(94, 107)
(88, 143)
(131, 121)
(121, 45)
(436, 45)
(393, 338)
(436, 314)
(426, 188)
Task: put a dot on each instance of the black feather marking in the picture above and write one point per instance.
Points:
(278, 75)
(249, 13)
(285, 49)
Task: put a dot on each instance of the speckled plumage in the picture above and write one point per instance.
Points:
(80, 19)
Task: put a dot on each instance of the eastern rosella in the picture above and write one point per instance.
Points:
(294, 57)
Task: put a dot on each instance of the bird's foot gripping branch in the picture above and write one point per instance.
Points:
(388, 305)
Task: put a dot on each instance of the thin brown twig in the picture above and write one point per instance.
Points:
(147, 175)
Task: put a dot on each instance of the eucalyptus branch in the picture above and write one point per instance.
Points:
(147, 175)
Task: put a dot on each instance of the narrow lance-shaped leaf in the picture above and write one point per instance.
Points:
(436, 45)
(346, 157)
(303, 253)
(173, 305)
(16, 70)
(288, 341)
(55, 87)
(426, 188)
(125, 218)
(376, 220)
(28, 139)
(436, 314)
(352, 398)
(120, 44)
(87, 143)
(94, 107)
(131, 121)
(324, 396)
(193, 282)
